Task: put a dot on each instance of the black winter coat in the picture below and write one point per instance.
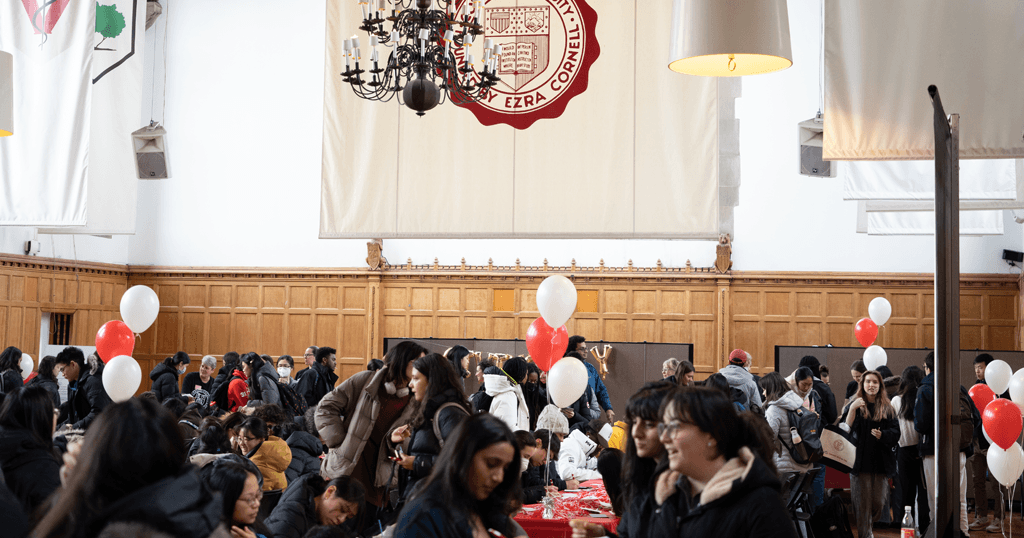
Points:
(12, 519)
(165, 382)
(423, 444)
(10, 379)
(829, 412)
(86, 399)
(751, 506)
(315, 382)
(306, 451)
(51, 386)
(875, 455)
(425, 516)
(295, 513)
(31, 470)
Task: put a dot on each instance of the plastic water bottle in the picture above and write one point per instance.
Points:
(907, 530)
(795, 436)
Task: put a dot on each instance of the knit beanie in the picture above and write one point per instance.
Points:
(552, 419)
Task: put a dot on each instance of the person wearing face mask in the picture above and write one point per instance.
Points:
(441, 406)
(508, 402)
(872, 419)
(165, 376)
(535, 395)
(285, 366)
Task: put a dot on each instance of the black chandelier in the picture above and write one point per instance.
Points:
(424, 66)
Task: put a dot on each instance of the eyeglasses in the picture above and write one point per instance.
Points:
(249, 439)
(254, 502)
(308, 355)
(669, 428)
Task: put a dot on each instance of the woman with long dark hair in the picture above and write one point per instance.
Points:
(872, 420)
(269, 452)
(165, 376)
(780, 400)
(723, 482)
(132, 455)
(458, 356)
(10, 370)
(262, 379)
(240, 495)
(441, 406)
(46, 378)
(27, 423)
(474, 485)
(910, 478)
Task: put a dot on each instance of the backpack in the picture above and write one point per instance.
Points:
(969, 418)
(292, 401)
(831, 520)
(808, 425)
(219, 397)
(437, 428)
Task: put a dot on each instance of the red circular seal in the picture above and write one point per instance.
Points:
(548, 47)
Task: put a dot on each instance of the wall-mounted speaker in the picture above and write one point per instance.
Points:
(150, 144)
(811, 137)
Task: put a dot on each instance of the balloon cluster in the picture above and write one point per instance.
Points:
(1001, 420)
(115, 342)
(567, 378)
(866, 331)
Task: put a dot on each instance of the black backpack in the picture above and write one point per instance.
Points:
(808, 425)
(831, 520)
(292, 401)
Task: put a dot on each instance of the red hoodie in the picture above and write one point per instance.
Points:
(238, 391)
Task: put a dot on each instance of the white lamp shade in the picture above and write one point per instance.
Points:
(729, 38)
(6, 93)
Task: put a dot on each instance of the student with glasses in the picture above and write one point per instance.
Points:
(240, 496)
(269, 452)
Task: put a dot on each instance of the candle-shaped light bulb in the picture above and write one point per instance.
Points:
(363, 6)
(469, 61)
(497, 49)
(468, 39)
(465, 9)
(347, 45)
(488, 43)
(355, 42)
(374, 41)
(394, 37)
(424, 34)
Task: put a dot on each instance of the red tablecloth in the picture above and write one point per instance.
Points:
(568, 506)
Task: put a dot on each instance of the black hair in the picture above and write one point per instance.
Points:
(149, 395)
(609, 464)
(273, 414)
(109, 469)
(524, 439)
(442, 384)
(549, 440)
(46, 366)
(713, 412)
(910, 381)
(455, 356)
(638, 472)
(812, 362)
(175, 406)
(253, 359)
(31, 409)
(10, 358)
(858, 366)
(719, 382)
(255, 426)
(822, 371)
(69, 354)
(494, 370)
(345, 487)
(231, 359)
(516, 369)
(774, 386)
(397, 361)
(213, 437)
(574, 354)
(447, 482)
(179, 358)
(929, 361)
(291, 361)
(232, 421)
(803, 373)
(322, 353)
(229, 479)
(374, 365)
(885, 371)
(484, 364)
(985, 358)
(574, 344)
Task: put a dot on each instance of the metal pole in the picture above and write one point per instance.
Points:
(946, 520)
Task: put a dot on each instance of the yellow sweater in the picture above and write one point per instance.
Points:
(618, 438)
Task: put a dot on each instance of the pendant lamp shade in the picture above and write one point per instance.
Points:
(6, 93)
(729, 38)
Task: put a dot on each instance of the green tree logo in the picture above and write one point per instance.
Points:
(109, 23)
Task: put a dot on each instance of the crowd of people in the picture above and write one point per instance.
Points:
(400, 449)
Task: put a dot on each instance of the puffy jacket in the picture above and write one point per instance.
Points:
(345, 418)
(272, 458)
(574, 459)
(620, 430)
(741, 500)
(51, 386)
(423, 444)
(306, 451)
(30, 469)
(87, 398)
(10, 379)
(508, 402)
(238, 390)
(165, 382)
(295, 513)
(777, 416)
(740, 378)
(267, 379)
(315, 382)
(924, 415)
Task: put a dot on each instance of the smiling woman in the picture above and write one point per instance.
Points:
(473, 488)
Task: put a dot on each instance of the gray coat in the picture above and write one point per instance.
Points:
(776, 415)
(740, 378)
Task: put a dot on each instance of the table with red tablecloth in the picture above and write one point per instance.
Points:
(568, 506)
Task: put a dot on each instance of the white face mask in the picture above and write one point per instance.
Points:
(284, 371)
(182, 370)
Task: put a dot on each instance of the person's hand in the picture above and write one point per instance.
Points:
(665, 486)
(70, 459)
(586, 529)
(857, 404)
(400, 434)
(877, 433)
(572, 483)
(407, 461)
(242, 532)
(551, 491)
(569, 413)
(611, 416)
(284, 380)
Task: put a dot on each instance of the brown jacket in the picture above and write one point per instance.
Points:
(345, 418)
(272, 458)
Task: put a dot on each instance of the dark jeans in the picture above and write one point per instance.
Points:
(910, 486)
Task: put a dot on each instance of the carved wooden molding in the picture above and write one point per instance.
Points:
(51, 265)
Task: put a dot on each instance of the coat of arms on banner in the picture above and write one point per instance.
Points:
(548, 47)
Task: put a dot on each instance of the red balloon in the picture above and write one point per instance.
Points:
(1002, 421)
(546, 344)
(866, 331)
(982, 395)
(114, 339)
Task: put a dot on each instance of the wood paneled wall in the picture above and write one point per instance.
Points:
(30, 286)
(211, 311)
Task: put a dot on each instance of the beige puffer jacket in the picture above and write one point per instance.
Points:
(346, 416)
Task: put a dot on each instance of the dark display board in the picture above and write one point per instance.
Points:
(630, 364)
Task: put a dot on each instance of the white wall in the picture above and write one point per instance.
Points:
(244, 115)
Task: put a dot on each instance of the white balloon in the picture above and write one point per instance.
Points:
(27, 366)
(1017, 387)
(987, 438)
(567, 381)
(139, 308)
(879, 310)
(121, 377)
(875, 356)
(1006, 465)
(556, 300)
(997, 375)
